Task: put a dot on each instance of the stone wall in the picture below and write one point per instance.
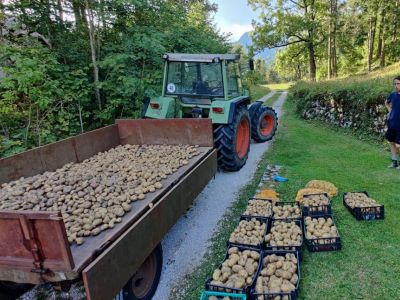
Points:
(371, 118)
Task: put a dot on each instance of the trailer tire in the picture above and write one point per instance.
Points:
(233, 141)
(11, 290)
(264, 124)
(143, 285)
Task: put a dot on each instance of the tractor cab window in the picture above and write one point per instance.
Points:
(234, 87)
(194, 78)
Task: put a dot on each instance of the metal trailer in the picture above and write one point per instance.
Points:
(33, 245)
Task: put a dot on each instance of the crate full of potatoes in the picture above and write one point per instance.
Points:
(250, 233)
(321, 234)
(279, 276)
(316, 205)
(237, 273)
(259, 208)
(286, 210)
(363, 207)
(285, 235)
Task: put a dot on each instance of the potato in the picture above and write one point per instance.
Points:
(248, 232)
(273, 277)
(284, 233)
(257, 207)
(286, 211)
(234, 275)
(360, 200)
(100, 186)
(325, 186)
(320, 228)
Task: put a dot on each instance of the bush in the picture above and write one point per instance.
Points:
(356, 102)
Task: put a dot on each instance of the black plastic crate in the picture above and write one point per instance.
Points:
(286, 248)
(246, 289)
(266, 221)
(270, 296)
(322, 244)
(283, 203)
(365, 213)
(319, 210)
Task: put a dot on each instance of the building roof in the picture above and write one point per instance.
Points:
(185, 57)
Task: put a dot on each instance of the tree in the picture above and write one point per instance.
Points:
(286, 22)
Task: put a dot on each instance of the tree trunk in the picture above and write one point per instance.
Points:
(312, 64)
(333, 44)
(382, 50)
(92, 41)
(371, 37)
(77, 13)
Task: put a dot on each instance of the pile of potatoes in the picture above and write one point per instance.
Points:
(94, 195)
(326, 186)
(248, 232)
(286, 211)
(238, 270)
(257, 207)
(320, 228)
(284, 234)
(315, 200)
(359, 200)
(278, 275)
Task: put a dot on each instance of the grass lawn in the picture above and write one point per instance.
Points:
(258, 91)
(368, 265)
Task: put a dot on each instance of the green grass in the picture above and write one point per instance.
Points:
(272, 99)
(279, 86)
(368, 265)
(258, 91)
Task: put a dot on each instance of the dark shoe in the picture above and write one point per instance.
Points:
(394, 164)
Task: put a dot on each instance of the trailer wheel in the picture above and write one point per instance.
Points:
(12, 290)
(233, 141)
(264, 124)
(143, 285)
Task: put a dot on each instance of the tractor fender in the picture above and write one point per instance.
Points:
(253, 108)
(235, 104)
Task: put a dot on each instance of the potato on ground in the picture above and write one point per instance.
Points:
(238, 270)
(248, 232)
(326, 186)
(279, 274)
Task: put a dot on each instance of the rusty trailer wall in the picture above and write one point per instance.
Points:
(33, 245)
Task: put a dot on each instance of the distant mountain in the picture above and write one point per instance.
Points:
(268, 54)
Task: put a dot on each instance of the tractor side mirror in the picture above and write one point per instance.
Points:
(251, 64)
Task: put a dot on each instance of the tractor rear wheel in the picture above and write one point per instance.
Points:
(233, 141)
(264, 124)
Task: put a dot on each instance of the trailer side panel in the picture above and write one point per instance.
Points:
(106, 276)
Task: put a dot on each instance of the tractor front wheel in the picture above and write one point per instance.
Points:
(264, 124)
(233, 141)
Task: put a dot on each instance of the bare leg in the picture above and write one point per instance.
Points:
(394, 149)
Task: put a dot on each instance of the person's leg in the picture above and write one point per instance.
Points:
(395, 155)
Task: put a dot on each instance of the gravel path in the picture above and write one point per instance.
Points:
(186, 243)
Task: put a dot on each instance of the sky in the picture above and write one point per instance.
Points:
(234, 16)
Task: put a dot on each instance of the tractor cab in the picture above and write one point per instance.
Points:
(192, 82)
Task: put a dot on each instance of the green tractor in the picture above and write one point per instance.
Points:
(210, 86)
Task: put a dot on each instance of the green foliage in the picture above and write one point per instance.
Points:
(49, 91)
(356, 94)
